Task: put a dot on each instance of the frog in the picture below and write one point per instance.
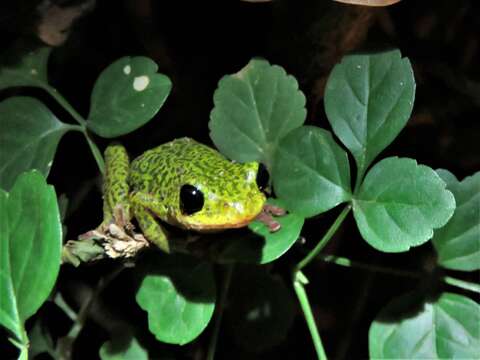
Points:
(185, 184)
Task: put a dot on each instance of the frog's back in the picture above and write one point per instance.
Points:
(160, 167)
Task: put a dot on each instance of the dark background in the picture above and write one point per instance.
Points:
(196, 43)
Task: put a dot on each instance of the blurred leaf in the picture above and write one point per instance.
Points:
(123, 349)
(447, 328)
(29, 138)
(127, 95)
(261, 309)
(458, 242)
(30, 247)
(31, 70)
(400, 203)
(254, 109)
(369, 2)
(368, 100)
(311, 173)
(178, 293)
(40, 340)
(266, 248)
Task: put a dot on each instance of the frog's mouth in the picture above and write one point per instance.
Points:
(208, 228)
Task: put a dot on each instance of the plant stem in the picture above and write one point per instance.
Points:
(299, 280)
(466, 285)
(328, 235)
(219, 311)
(83, 124)
(65, 344)
(65, 104)
(22, 344)
(96, 153)
(342, 261)
(298, 284)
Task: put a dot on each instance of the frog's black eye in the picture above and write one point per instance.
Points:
(191, 199)
(262, 177)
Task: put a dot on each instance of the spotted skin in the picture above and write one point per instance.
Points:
(150, 186)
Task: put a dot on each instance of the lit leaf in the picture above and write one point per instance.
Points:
(368, 101)
(265, 248)
(458, 242)
(446, 328)
(29, 138)
(311, 173)
(254, 109)
(30, 247)
(127, 95)
(178, 293)
(400, 203)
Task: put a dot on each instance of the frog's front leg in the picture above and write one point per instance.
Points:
(143, 206)
(116, 202)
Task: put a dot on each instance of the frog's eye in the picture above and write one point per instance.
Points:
(262, 177)
(191, 199)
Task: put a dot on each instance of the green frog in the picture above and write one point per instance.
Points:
(183, 183)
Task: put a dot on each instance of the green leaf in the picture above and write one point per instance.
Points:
(400, 203)
(254, 109)
(311, 173)
(31, 70)
(261, 309)
(447, 328)
(368, 100)
(29, 138)
(458, 242)
(123, 349)
(178, 293)
(30, 247)
(40, 339)
(264, 248)
(127, 95)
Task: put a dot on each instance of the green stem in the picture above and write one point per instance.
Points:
(298, 284)
(65, 344)
(83, 125)
(299, 280)
(342, 261)
(219, 312)
(466, 285)
(326, 238)
(22, 344)
(65, 104)
(96, 153)
(60, 302)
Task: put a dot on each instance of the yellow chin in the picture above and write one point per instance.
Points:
(227, 219)
(211, 227)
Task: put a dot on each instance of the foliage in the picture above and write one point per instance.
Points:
(30, 244)
(458, 242)
(258, 115)
(435, 329)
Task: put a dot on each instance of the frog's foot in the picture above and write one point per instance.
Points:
(123, 242)
(115, 241)
(266, 217)
(115, 238)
